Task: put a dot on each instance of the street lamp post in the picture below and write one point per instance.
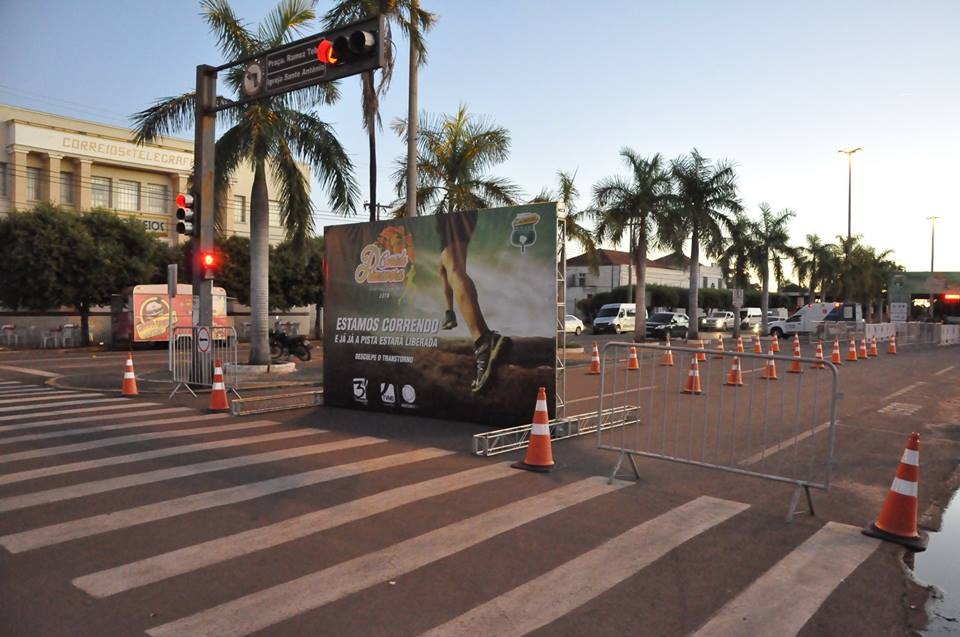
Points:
(849, 153)
(933, 223)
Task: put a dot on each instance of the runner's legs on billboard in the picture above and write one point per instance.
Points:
(455, 232)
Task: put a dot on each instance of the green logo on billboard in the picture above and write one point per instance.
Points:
(524, 230)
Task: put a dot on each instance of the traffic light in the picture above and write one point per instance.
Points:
(360, 46)
(188, 224)
(209, 264)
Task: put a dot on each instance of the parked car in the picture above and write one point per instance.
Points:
(750, 319)
(721, 320)
(616, 317)
(662, 323)
(572, 324)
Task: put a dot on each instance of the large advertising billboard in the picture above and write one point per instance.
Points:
(448, 316)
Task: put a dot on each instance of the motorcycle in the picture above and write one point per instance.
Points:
(283, 345)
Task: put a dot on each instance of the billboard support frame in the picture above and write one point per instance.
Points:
(561, 354)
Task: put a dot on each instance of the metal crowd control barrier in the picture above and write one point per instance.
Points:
(276, 402)
(491, 443)
(781, 430)
(222, 346)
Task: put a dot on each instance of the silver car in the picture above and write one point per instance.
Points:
(573, 324)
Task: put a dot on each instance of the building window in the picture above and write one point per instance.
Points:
(705, 284)
(157, 198)
(128, 195)
(66, 188)
(3, 179)
(239, 209)
(100, 188)
(274, 219)
(581, 280)
(33, 184)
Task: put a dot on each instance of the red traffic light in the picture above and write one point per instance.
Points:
(207, 260)
(184, 200)
(325, 52)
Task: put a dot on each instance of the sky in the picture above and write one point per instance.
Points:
(774, 87)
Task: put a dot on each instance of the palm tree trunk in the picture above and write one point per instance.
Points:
(640, 328)
(693, 302)
(372, 143)
(259, 267)
(412, 115)
(764, 298)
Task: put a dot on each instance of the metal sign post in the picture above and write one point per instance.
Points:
(737, 295)
(171, 294)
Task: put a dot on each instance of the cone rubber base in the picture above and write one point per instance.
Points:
(532, 467)
(593, 373)
(915, 544)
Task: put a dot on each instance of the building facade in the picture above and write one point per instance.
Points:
(82, 165)
(615, 270)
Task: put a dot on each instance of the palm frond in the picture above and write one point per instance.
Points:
(167, 115)
(286, 21)
(296, 209)
(233, 36)
(315, 141)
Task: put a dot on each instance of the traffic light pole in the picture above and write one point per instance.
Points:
(203, 188)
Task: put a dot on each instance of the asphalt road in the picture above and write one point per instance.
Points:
(120, 517)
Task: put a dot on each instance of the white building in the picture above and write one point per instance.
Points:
(616, 270)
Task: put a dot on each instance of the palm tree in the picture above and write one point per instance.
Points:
(567, 193)
(402, 13)
(454, 153)
(274, 133)
(635, 202)
(811, 262)
(770, 245)
(705, 197)
(733, 259)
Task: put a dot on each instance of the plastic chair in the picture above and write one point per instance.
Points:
(69, 335)
(10, 334)
(50, 336)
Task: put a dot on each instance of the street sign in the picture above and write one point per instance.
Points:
(298, 64)
(203, 339)
(898, 312)
(737, 297)
(172, 280)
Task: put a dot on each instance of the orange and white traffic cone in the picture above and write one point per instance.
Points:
(873, 347)
(795, 366)
(735, 375)
(892, 348)
(667, 359)
(702, 352)
(692, 385)
(740, 345)
(129, 387)
(594, 361)
(819, 356)
(852, 352)
(719, 353)
(898, 518)
(757, 347)
(539, 455)
(770, 369)
(835, 356)
(218, 393)
(775, 344)
(796, 341)
(863, 347)
(633, 364)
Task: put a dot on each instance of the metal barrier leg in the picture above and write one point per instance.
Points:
(616, 468)
(792, 513)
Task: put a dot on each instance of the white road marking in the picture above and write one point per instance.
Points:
(572, 584)
(267, 607)
(10, 382)
(102, 404)
(789, 442)
(910, 387)
(191, 558)
(29, 390)
(85, 527)
(54, 395)
(29, 371)
(122, 440)
(102, 414)
(784, 598)
(944, 370)
(65, 403)
(900, 409)
(610, 395)
(61, 433)
(181, 471)
(83, 465)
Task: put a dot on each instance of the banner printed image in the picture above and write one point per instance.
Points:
(455, 311)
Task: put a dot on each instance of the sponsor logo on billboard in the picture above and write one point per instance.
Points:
(360, 390)
(524, 232)
(388, 259)
(388, 395)
(409, 396)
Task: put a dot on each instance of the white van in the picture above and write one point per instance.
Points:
(617, 318)
(803, 321)
(750, 318)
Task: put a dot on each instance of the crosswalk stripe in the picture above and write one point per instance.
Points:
(25, 391)
(270, 606)
(103, 413)
(30, 371)
(191, 558)
(784, 598)
(54, 395)
(122, 440)
(65, 403)
(102, 404)
(83, 465)
(85, 527)
(574, 583)
(61, 433)
(94, 487)
(10, 382)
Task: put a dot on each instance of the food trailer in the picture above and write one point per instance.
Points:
(141, 314)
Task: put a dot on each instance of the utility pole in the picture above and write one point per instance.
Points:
(933, 223)
(412, 116)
